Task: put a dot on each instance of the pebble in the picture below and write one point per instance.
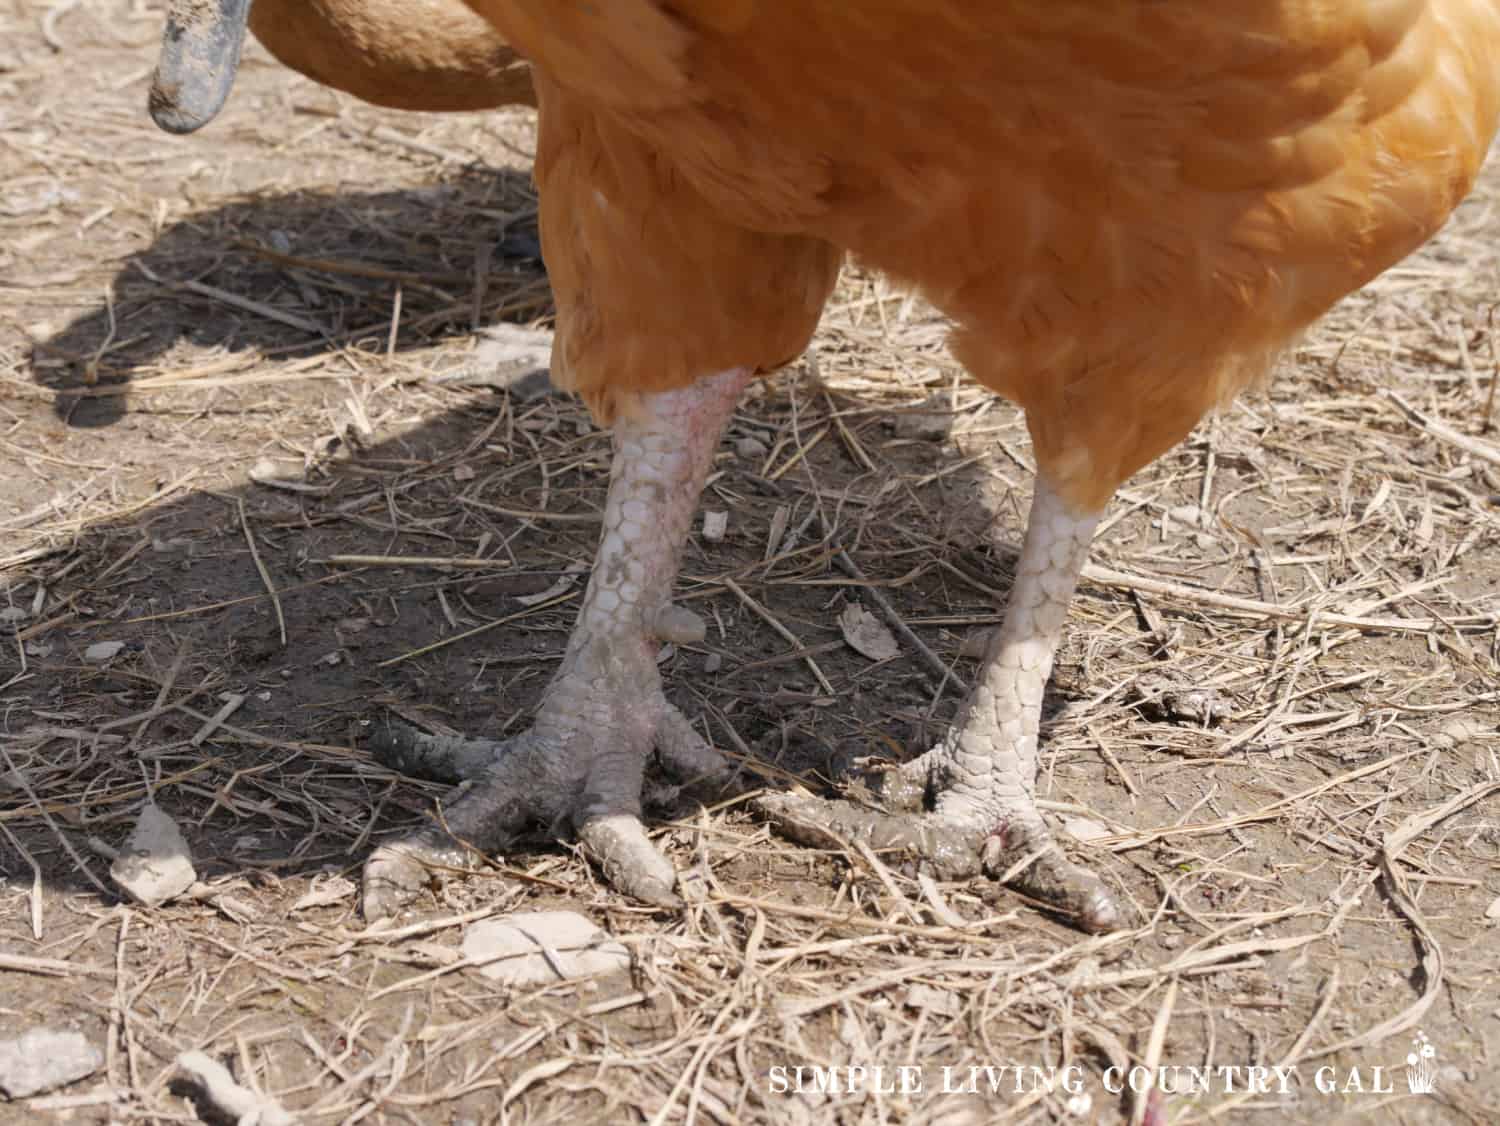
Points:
(44, 1059)
(1458, 731)
(155, 865)
(537, 947)
(715, 524)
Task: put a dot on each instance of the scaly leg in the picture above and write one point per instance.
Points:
(581, 764)
(982, 776)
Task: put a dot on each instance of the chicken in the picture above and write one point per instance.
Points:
(1128, 209)
(433, 55)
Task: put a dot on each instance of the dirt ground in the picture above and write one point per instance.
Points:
(232, 363)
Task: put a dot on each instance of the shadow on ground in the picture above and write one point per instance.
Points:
(293, 276)
(314, 643)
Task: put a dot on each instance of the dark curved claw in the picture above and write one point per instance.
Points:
(200, 53)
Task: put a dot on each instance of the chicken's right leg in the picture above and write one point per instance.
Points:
(580, 767)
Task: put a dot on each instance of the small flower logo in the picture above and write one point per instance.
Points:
(1421, 1066)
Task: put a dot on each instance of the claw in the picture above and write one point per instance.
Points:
(393, 877)
(1049, 876)
(631, 863)
(678, 625)
(200, 54)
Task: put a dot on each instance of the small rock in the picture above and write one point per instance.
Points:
(11, 617)
(1189, 514)
(751, 449)
(155, 865)
(867, 634)
(713, 662)
(940, 1001)
(286, 475)
(438, 953)
(45, 1059)
(1161, 699)
(543, 946)
(1492, 912)
(1085, 829)
(101, 651)
(715, 524)
(692, 884)
(1458, 731)
(325, 892)
(1085, 977)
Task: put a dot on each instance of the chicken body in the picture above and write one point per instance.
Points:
(1128, 209)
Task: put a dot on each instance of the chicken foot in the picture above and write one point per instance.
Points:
(981, 778)
(581, 765)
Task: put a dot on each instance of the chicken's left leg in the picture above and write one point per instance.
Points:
(981, 777)
(581, 764)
